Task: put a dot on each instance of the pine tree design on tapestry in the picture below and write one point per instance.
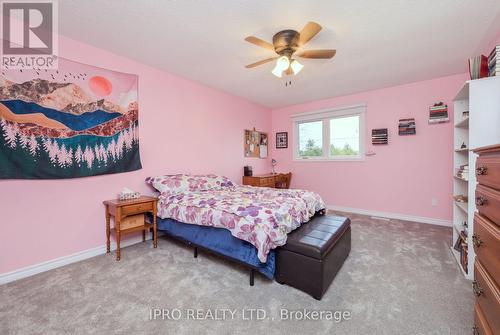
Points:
(57, 153)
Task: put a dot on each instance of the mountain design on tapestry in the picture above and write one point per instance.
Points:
(65, 97)
(53, 129)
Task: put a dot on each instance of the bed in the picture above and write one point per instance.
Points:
(242, 223)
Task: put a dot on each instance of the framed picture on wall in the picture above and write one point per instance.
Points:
(282, 140)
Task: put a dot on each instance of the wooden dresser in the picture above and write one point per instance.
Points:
(486, 241)
(278, 180)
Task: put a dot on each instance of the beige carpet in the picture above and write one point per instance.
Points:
(400, 278)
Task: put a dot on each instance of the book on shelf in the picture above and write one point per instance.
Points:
(463, 172)
(463, 256)
(478, 67)
(458, 245)
(494, 62)
(438, 113)
(439, 120)
(463, 236)
(461, 247)
(438, 108)
(407, 127)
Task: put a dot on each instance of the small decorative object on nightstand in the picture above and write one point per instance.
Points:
(129, 217)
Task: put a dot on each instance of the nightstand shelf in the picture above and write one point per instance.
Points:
(145, 227)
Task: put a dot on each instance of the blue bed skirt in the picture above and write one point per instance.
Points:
(220, 241)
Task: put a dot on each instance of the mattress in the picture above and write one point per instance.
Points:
(260, 216)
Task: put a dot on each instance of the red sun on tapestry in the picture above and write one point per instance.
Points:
(100, 86)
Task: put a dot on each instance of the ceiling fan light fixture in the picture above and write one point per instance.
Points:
(277, 71)
(281, 65)
(296, 66)
(285, 45)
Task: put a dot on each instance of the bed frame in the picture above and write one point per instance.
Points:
(197, 247)
(252, 269)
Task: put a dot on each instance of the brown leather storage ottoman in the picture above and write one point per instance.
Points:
(313, 254)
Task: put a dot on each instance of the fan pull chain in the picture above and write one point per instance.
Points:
(288, 83)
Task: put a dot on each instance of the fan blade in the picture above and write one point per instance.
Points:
(317, 54)
(309, 31)
(264, 61)
(259, 42)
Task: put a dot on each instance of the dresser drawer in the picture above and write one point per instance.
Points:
(488, 203)
(251, 181)
(481, 326)
(137, 208)
(488, 296)
(486, 240)
(488, 169)
(267, 182)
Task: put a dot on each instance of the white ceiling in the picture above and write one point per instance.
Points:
(379, 43)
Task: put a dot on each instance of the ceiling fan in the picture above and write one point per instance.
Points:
(285, 44)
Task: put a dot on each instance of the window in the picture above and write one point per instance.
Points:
(344, 136)
(311, 139)
(336, 134)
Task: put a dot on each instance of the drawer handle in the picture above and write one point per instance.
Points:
(481, 170)
(481, 201)
(476, 288)
(476, 240)
(475, 330)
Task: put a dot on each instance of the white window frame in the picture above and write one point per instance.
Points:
(325, 116)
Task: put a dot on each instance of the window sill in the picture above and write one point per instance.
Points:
(343, 159)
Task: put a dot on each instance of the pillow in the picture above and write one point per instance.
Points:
(179, 183)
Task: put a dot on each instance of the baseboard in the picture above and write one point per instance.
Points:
(100, 250)
(65, 260)
(397, 216)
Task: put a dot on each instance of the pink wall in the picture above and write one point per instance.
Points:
(45, 219)
(403, 176)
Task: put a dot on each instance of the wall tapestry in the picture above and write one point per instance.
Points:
(76, 121)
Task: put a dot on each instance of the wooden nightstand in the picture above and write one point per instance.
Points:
(123, 213)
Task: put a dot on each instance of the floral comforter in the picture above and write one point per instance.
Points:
(260, 216)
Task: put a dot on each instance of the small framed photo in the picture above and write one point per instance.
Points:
(282, 140)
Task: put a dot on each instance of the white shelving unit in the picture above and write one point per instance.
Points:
(460, 157)
(480, 128)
